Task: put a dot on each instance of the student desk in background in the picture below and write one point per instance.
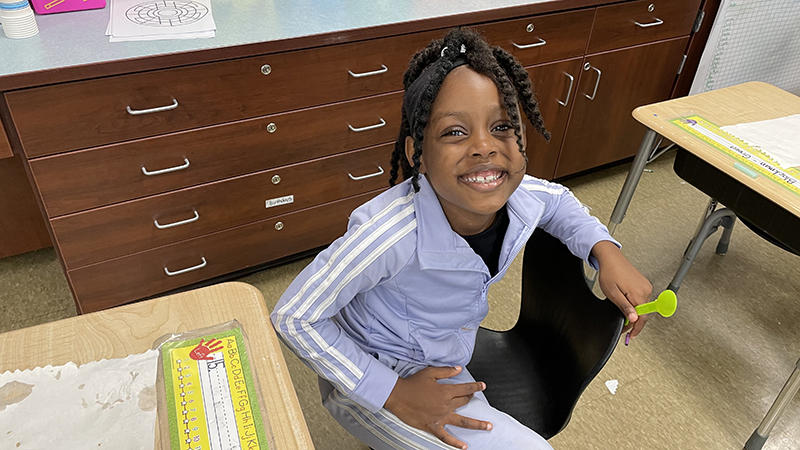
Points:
(771, 208)
(130, 329)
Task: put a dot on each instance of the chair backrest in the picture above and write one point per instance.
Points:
(555, 295)
(536, 371)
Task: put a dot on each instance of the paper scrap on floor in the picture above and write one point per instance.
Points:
(778, 138)
(101, 404)
(137, 20)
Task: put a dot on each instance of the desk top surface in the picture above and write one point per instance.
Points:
(78, 38)
(748, 102)
(130, 329)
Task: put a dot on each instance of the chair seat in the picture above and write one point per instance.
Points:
(535, 384)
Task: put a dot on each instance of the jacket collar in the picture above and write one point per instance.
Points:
(441, 248)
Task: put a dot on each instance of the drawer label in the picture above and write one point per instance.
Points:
(280, 201)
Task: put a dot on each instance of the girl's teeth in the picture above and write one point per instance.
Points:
(482, 179)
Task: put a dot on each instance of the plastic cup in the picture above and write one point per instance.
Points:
(18, 20)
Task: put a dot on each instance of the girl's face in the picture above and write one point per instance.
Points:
(469, 152)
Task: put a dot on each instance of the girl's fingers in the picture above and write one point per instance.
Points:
(445, 437)
(469, 423)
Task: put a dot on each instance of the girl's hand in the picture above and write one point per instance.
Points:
(423, 403)
(622, 283)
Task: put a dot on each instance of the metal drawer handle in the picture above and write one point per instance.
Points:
(167, 170)
(596, 84)
(188, 269)
(364, 177)
(537, 44)
(367, 74)
(137, 112)
(651, 24)
(371, 127)
(175, 224)
(569, 91)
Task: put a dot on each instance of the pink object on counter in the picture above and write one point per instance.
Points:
(57, 6)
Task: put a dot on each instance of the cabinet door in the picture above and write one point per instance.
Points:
(555, 87)
(601, 129)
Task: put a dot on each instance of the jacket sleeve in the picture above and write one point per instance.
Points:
(370, 253)
(567, 219)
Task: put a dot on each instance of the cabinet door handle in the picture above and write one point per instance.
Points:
(536, 44)
(167, 170)
(175, 224)
(384, 69)
(371, 127)
(188, 269)
(596, 84)
(569, 90)
(364, 177)
(651, 24)
(137, 112)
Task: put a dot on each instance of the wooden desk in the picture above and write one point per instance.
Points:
(748, 102)
(130, 329)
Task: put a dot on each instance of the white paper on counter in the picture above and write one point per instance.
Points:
(108, 404)
(138, 20)
(779, 138)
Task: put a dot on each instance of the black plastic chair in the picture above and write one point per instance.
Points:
(536, 371)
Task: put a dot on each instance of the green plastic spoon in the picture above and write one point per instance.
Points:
(665, 304)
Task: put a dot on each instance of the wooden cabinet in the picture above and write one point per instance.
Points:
(5, 146)
(601, 129)
(639, 22)
(539, 39)
(157, 177)
(555, 85)
(22, 228)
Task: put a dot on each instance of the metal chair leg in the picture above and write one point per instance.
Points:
(709, 227)
(790, 389)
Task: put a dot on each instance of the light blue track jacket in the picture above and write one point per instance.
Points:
(402, 283)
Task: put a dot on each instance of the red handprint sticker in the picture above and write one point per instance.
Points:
(203, 349)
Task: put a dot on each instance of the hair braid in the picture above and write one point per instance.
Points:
(524, 87)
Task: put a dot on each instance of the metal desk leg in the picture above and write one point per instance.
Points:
(647, 148)
(639, 161)
(759, 437)
(721, 218)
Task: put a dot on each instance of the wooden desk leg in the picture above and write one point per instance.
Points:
(646, 149)
(759, 437)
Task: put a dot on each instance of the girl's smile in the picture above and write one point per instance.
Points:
(484, 179)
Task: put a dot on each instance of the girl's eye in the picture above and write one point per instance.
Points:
(503, 127)
(453, 133)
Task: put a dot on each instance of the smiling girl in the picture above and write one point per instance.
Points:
(387, 315)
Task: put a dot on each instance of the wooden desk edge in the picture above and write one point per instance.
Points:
(657, 117)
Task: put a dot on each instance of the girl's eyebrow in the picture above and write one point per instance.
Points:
(460, 114)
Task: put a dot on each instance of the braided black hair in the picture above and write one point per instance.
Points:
(501, 67)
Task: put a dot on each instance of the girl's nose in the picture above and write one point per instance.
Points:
(483, 145)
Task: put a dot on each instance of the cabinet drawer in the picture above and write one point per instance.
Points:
(96, 112)
(634, 23)
(539, 39)
(87, 179)
(159, 270)
(118, 230)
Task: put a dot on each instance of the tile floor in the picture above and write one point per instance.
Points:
(701, 379)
